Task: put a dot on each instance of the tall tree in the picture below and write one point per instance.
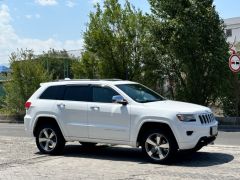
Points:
(117, 37)
(195, 47)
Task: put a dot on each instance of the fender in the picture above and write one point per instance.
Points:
(49, 116)
(141, 122)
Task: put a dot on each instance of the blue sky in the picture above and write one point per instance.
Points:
(59, 24)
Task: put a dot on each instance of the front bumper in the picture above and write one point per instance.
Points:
(201, 135)
(204, 141)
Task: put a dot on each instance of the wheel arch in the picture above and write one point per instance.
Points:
(147, 125)
(42, 119)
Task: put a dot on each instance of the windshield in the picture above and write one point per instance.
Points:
(140, 93)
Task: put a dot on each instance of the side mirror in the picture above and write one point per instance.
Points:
(119, 99)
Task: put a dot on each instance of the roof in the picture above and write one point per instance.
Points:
(232, 21)
(89, 81)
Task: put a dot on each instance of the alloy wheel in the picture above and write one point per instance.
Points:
(157, 146)
(47, 139)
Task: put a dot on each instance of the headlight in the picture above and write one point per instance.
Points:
(186, 117)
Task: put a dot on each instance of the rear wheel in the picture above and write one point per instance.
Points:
(49, 139)
(159, 146)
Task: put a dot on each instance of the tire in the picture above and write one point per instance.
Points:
(159, 146)
(88, 144)
(49, 139)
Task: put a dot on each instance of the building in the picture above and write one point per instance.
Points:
(232, 29)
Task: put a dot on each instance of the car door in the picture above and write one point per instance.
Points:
(107, 120)
(73, 110)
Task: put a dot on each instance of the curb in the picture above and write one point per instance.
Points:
(229, 128)
(11, 121)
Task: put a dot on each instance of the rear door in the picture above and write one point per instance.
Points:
(73, 109)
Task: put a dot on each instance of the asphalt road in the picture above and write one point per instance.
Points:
(17, 130)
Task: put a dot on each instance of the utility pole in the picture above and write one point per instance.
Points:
(65, 69)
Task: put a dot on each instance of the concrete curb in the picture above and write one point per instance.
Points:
(11, 121)
(11, 118)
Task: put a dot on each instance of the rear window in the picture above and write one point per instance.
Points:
(53, 92)
(78, 93)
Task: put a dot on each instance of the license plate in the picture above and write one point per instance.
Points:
(213, 130)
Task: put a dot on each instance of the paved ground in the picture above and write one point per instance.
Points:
(20, 159)
(12, 130)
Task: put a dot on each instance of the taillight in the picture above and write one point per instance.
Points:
(27, 105)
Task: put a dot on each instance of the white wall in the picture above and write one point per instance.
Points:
(234, 25)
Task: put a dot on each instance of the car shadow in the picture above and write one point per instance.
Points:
(202, 159)
(116, 153)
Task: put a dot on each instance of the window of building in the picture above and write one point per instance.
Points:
(229, 32)
(53, 92)
(77, 93)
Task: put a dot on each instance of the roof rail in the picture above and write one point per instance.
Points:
(68, 79)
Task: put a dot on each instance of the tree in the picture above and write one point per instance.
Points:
(116, 37)
(86, 67)
(231, 100)
(58, 63)
(195, 48)
(27, 74)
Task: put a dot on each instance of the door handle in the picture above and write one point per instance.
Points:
(61, 105)
(95, 108)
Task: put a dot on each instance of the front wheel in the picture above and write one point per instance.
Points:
(159, 146)
(49, 139)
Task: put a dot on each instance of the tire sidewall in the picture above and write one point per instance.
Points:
(60, 140)
(172, 146)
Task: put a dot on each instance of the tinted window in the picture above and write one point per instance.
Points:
(140, 93)
(103, 94)
(77, 93)
(53, 92)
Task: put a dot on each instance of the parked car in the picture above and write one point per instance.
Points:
(116, 112)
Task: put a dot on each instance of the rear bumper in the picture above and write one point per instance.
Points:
(27, 126)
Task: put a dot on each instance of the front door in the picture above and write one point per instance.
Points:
(107, 120)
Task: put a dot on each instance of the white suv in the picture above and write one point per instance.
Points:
(116, 112)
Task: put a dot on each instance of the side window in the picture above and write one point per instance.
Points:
(53, 92)
(78, 93)
(103, 94)
(229, 32)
